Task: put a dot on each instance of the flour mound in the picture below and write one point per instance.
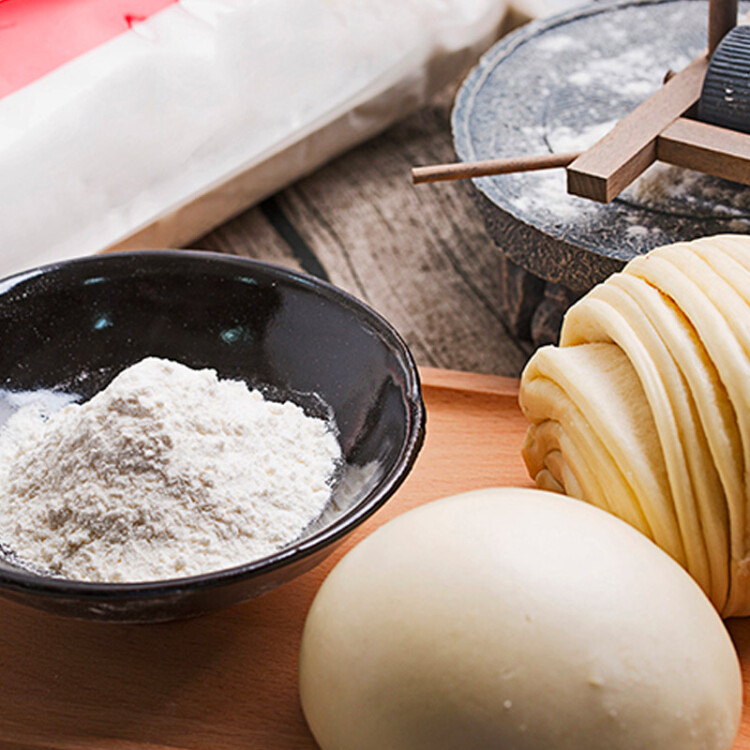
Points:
(168, 472)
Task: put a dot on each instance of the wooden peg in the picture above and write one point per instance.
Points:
(722, 18)
(464, 170)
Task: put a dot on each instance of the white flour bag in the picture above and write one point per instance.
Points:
(144, 123)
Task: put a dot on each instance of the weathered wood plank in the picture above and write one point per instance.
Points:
(421, 257)
(253, 235)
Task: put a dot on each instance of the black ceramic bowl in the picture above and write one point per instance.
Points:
(74, 325)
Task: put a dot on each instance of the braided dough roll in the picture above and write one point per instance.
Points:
(671, 409)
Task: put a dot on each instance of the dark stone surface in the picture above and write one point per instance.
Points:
(546, 87)
(532, 307)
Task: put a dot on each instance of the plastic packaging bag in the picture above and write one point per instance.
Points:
(204, 107)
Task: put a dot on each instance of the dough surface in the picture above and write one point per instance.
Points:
(673, 415)
(515, 618)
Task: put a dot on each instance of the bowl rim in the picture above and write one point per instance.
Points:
(22, 581)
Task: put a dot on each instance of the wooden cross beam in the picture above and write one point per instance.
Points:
(657, 129)
(610, 165)
(706, 148)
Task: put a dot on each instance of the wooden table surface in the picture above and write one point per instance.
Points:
(228, 681)
(419, 255)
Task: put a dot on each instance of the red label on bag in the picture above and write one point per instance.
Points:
(37, 36)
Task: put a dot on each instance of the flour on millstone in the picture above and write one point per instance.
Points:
(168, 472)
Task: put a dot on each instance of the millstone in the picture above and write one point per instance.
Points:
(559, 85)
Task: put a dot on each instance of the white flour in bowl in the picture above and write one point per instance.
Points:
(168, 472)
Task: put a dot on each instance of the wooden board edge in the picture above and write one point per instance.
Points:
(473, 382)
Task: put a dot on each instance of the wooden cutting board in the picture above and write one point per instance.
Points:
(229, 680)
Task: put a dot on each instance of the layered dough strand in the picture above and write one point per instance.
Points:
(644, 408)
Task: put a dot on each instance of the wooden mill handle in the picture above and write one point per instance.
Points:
(464, 170)
(722, 18)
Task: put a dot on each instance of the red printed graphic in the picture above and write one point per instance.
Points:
(37, 36)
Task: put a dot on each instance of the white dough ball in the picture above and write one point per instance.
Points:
(513, 618)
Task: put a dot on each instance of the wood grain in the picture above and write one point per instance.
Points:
(706, 148)
(229, 680)
(420, 256)
(610, 165)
